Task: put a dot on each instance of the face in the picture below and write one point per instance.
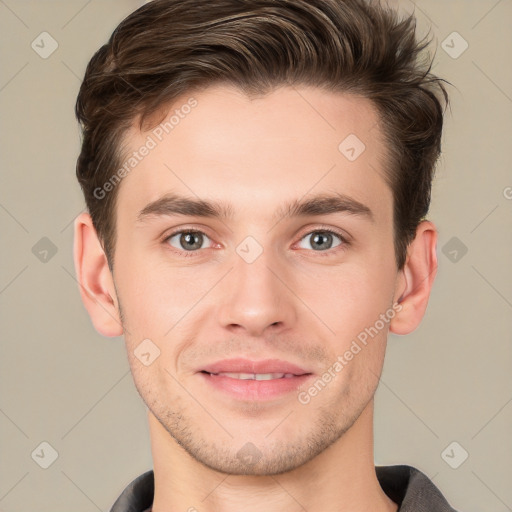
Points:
(260, 280)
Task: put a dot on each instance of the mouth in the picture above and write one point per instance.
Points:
(242, 368)
(252, 382)
(256, 376)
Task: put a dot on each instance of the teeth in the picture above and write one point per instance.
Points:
(255, 376)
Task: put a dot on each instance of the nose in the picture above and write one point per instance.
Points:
(255, 298)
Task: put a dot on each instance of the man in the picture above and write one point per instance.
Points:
(257, 176)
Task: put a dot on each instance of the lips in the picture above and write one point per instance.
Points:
(255, 376)
(254, 387)
(260, 381)
(248, 367)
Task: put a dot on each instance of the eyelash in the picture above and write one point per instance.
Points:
(343, 245)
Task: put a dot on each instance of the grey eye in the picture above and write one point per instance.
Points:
(187, 240)
(321, 240)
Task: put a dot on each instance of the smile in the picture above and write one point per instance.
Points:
(255, 376)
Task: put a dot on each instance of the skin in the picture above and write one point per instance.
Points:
(294, 302)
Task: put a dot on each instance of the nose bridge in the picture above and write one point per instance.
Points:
(253, 297)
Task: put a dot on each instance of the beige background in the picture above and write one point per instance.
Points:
(63, 383)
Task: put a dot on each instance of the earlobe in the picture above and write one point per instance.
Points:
(95, 279)
(416, 280)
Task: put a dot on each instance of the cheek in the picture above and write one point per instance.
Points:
(350, 297)
(150, 379)
(155, 296)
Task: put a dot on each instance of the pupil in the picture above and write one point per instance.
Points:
(193, 240)
(318, 238)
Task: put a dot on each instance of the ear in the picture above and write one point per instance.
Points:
(95, 279)
(415, 280)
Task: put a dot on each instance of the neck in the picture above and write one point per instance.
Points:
(342, 478)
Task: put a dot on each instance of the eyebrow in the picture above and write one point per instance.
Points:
(322, 204)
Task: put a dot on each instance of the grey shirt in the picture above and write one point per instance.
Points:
(412, 490)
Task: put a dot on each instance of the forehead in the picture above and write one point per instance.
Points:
(255, 153)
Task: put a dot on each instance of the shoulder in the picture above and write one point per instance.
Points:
(411, 489)
(138, 494)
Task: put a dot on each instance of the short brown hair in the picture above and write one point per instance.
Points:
(169, 47)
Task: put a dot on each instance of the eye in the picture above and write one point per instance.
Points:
(189, 241)
(322, 240)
